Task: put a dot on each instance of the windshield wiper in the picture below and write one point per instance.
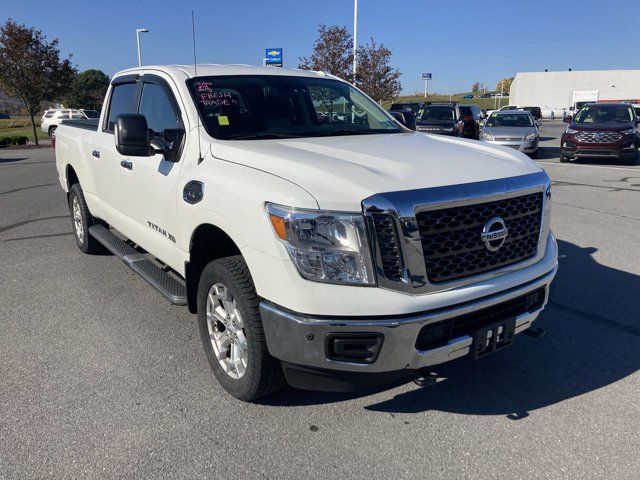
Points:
(335, 133)
(264, 136)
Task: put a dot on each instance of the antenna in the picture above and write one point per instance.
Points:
(195, 74)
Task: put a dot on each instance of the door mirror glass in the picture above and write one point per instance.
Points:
(132, 135)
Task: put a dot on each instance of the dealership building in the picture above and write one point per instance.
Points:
(560, 91)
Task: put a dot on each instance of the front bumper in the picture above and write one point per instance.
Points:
(525, 146)
(571, 150)
(301, 341)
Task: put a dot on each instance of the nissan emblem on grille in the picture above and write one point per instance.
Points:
(494, 233)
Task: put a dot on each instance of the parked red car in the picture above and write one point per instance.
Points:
(602, 130)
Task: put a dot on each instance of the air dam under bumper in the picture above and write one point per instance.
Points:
(308, 349)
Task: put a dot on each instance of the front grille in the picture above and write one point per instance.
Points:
(507, 139)
(437, 334)
(451, 237)
(598, 137)
(387, 241)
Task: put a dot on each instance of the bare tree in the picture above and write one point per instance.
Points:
(31, 68)
(475, 87)
(375, 76)
(332, 52)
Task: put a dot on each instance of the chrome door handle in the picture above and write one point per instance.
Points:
(126, 164)
(96, 153)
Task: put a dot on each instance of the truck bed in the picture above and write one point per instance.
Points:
(87, 124)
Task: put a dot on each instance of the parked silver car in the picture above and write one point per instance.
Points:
(512, 128)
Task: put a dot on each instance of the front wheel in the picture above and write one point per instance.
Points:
(231, 331)
(52, 131)
(563, 159)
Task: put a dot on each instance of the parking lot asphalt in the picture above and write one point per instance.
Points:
(101, 377)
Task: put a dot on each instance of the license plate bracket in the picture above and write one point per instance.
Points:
(494, 337)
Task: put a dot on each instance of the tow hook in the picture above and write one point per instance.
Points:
(535, 332)
(425, 378)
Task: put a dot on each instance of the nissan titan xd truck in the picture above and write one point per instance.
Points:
(318, 240)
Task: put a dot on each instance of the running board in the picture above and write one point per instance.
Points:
(170, 288)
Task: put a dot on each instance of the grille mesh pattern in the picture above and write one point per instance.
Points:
(451, 240)
(598, 137)
(388, 246)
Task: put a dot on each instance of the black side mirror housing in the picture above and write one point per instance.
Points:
(406, 118)
(132, 135)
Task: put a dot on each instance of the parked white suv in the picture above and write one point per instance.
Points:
(54, 117)
(334, 251)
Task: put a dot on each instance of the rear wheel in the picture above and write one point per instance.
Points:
(81, 220)
(231, 331)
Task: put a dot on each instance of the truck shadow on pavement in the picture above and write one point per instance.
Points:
(592, 341)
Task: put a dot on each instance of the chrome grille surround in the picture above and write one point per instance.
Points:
(403, 207)
(598, 137)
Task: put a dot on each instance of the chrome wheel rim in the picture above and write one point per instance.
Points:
(226, 331)
(77, 219)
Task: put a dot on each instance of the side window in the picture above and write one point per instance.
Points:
(157, 107)
(76, 115)
(123, 99)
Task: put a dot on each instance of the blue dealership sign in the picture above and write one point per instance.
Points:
(426, 76)
(273, 57)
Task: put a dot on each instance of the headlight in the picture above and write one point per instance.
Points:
(487, 135)
(325, 246)
(629, 131)
(531, 136)
(571, 131)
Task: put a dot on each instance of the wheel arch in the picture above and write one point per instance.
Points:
(208, 242)
(71, 176)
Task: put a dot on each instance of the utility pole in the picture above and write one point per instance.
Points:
(138, 32)
(355, 39)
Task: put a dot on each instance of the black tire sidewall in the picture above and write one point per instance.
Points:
(76, 192)
(245, 387)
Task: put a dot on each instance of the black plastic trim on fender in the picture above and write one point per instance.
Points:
(170, 288)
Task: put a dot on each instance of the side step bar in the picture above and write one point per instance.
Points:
(170, 288)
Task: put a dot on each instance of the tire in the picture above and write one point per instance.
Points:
(81, 220)
(563, 159)
(52, 131)
(534, 154)
(226, 283)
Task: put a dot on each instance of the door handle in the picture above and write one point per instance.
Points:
(96, 153)
(126, 164)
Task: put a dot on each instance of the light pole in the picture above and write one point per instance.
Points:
(355, 39)
(138, 32)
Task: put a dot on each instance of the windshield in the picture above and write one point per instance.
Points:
(510, 120)
(435, 114)
(604, 114)
(249, 107)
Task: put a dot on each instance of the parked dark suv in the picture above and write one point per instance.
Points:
(535, 112)
(471, 116)
(440, 118)
(411, 106)
(601, 130)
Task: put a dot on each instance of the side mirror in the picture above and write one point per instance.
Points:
(132, 135)
(406, 118)
(567, 119)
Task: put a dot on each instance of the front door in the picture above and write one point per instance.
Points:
(150, 185)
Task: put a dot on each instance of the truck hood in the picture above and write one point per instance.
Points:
(340, 172)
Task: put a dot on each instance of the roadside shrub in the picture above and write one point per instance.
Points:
(14, 140)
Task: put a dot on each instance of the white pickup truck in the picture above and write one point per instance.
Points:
(319, 241)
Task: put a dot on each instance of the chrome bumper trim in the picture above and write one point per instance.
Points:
(299, 339)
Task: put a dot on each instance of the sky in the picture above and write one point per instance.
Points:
(458, 42)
